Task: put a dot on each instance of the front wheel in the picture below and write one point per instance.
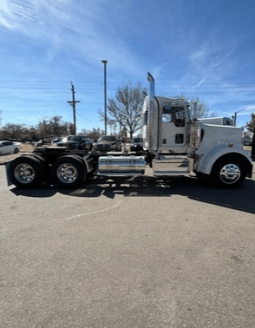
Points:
(229, 172)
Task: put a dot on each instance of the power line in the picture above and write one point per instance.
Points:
(88, 119)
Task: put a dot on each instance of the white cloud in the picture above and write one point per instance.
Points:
(6, 15)
(199, 83)
(81, 28)
(199, 54)
(26, 15)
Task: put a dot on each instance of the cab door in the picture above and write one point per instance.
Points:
(173, 128)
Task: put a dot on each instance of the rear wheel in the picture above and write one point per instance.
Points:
(229, 172)
(26, 172)
(16, 150)
(69, 171)
(46, 169)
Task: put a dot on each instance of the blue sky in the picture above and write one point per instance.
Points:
(194, 48)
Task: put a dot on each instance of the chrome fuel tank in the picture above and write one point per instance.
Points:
(121, 165)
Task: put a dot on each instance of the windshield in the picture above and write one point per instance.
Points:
(138, 140)
(72, 138)
(107, 138)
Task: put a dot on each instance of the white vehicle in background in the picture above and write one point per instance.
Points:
(247, 138)
(9, 147)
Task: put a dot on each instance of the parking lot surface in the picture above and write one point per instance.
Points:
(135, 253)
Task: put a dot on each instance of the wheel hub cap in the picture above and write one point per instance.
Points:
(24, 173)
(67, 173)
(230, 173)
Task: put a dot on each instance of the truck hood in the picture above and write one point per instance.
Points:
(221, 134)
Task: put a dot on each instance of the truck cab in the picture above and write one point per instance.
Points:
(168, 128)
(180, 145)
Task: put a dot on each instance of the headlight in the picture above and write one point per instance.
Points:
(114, 146)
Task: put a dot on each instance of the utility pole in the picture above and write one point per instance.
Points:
(72, 103)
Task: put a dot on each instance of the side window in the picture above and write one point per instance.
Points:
(175, 115)
(167, 115)
(180, 118)
(145, 118)
(167, 118)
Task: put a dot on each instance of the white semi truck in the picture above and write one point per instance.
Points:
(173, 145)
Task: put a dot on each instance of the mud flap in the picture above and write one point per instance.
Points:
(9, 183)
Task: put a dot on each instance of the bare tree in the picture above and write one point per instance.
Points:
(55, 125)
(43, 128)
(11, 130)
(94, 134)
(251, 125)
(125, 109)
(198, 108)
(70, 127)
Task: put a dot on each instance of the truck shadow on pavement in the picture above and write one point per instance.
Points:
(242, 199)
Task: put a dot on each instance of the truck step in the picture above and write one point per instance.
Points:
(171, 165)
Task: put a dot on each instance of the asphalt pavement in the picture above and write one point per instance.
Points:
(128, 253)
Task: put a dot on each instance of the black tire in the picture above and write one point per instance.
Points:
(199, 176)
(26, 172)
(16, 150)
(45, 166)
(229, 172)
(86, 174)
(81, 161)
(69, 172)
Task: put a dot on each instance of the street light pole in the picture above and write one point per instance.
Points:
(105, 110)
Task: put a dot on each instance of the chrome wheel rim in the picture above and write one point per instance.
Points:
(67, 173)
(24, 173)
(230, 173)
